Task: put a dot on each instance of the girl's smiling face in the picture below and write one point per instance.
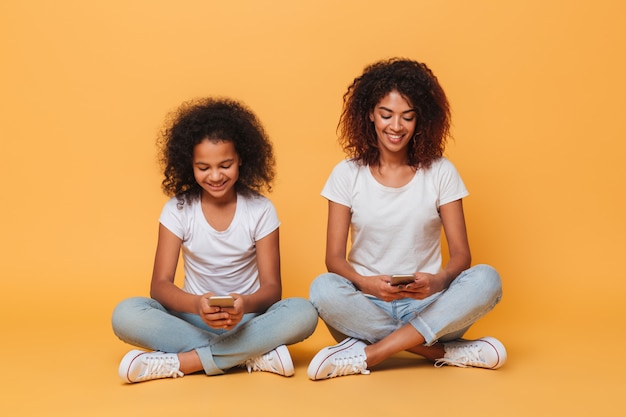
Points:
(394, 121)
(216, 168)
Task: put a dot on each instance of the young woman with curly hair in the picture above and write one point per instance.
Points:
(217, 160)
(390, 292)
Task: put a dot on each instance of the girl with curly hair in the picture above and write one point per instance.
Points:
(217, 161)
(390, 292)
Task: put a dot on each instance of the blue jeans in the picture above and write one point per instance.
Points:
(443, 316)
(144, 322)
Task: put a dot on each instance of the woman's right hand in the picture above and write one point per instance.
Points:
(378, 286)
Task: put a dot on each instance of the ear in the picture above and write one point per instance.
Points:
(371, 116)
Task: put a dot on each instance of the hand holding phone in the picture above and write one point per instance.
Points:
(221, 301)
(401, 279)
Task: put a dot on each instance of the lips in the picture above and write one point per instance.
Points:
(395, 138)
(216, 187)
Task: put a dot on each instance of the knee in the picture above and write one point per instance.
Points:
(490, 280)
(307, 313)
(125, 313)
(322, 288)
(298, 313)
(490, 274)
(304, 309)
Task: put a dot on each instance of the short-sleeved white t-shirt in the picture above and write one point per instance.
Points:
(395, 230)
(220, 261)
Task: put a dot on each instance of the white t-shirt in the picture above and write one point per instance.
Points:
(395, 230)
(220, 261)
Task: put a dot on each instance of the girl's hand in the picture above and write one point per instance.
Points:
(221, 317)
(423, 286)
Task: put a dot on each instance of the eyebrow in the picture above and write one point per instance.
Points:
(391, 111)
(220, 163)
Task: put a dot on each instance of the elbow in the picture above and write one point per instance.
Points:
(468, 260)
(276, 294)
(328, 266)
(331, 263)
(156, 289)
(461, 259)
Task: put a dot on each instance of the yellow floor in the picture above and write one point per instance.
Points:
(54, 367)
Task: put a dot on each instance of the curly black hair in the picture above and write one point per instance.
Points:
(222, 119)
(416, 83)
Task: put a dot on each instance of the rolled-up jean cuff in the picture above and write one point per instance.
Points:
(424, 329)
(206, 357)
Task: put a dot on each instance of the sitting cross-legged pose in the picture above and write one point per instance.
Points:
(391, 292)
(217, 159)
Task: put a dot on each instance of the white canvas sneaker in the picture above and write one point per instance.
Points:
(487, 352)
(277, 361)
(139, 365)
(345, 358)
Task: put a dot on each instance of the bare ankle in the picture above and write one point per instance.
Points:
(189, 362)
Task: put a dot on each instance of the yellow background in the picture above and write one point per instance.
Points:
(538, 96)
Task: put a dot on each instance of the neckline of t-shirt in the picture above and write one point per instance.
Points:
(213, 229)
(386, 187)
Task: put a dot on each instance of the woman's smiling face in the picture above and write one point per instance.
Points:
(394, 121)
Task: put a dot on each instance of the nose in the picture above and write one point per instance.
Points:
(215, 174)
(396, 123)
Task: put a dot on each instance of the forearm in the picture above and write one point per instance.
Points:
(460, 259)
(173, 298)
(341, 266)
(453, 268)
(262, 299)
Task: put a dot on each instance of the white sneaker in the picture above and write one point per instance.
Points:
(139, 365)
(486, 352)
(346, 358)
(277, 361)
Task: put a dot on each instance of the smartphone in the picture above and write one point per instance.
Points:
(401, 279)
(221, 301)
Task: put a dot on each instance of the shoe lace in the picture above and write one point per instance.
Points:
(461, 356)
(260, 363)
(349, 365)
(160, 367)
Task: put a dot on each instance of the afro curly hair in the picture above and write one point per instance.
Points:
(416, 83)
(219, 119)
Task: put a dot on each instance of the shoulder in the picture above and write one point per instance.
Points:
(349, 164)
(178, 216)
(178, 210)
(255, 200)
(258, 215)
(347, 167)
(442, 163)
(256, 203)
(179, 205)
(447, 180)
(442, 167)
